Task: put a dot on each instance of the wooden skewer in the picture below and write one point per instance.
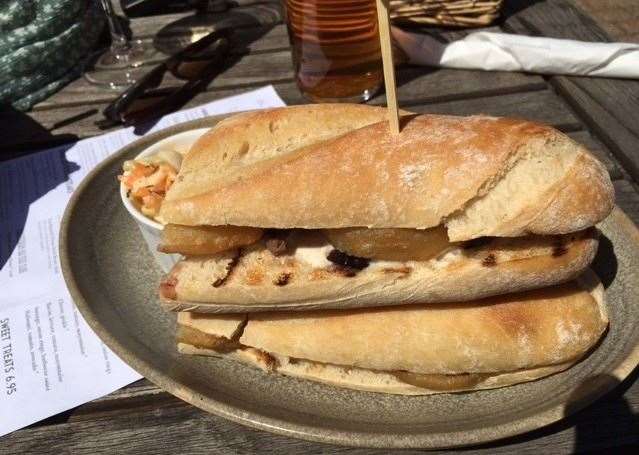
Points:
(383, 19)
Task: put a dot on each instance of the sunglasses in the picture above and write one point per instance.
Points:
(196, 64)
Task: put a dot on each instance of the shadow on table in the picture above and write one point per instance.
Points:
(249, 25)
(605, 263)
(446, 34)
(512, 7)
(613, 419)
(23, 135)
(607, 419)
(247, 28)
(26, 180)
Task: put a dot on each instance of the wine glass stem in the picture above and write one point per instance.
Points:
(119, 42)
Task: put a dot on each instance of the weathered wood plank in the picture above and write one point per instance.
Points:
(143, 387)
(265, 12)
(276, 66)
(174, 425)
(239, 70)
(263, 40)
(610, 107)
(555, 19)
(541, 106)
(416, 84)
(413, 82)
(627, 197)
(252, 38)
(596, 114)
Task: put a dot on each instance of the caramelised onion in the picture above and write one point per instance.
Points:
(441, 382)
(198, 240)
(391, 244)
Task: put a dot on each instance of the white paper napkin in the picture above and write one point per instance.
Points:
(508, 52)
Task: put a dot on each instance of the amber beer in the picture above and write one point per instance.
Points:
(336, 51)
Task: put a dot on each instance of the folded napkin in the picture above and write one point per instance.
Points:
(508, 52)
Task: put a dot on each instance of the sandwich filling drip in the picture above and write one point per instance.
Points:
(301, 262)
(353, 248)
(388, 244)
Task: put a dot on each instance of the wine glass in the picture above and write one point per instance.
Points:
(122, 64)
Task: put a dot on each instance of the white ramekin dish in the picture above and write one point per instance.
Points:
(152, 230)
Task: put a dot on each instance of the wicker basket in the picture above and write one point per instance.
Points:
(461, 13)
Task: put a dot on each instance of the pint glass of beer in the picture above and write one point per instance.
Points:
(336, 50)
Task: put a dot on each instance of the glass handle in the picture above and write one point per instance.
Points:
(119, 41)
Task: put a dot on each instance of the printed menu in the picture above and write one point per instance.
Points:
(50, 359)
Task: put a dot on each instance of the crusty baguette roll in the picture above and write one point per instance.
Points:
(331, 166)
(415, 349)
(245, 139)
(256, 280)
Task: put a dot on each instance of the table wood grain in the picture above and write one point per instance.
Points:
(603, 114)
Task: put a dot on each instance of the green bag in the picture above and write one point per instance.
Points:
(43, 45)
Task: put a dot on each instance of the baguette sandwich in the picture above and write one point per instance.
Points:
(318, 207)
(413, 349)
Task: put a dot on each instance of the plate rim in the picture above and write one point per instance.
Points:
(290, 428)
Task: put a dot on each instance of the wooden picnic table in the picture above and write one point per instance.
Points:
(603, 114)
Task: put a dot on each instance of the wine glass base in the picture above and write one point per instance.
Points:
(118, 70)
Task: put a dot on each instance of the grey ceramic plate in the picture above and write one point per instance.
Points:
(113, 279)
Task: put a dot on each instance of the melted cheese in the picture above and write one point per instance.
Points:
(313, 249)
